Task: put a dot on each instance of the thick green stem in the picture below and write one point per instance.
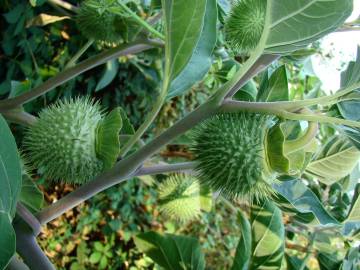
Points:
(137, 19)
(16, 264)
(324, 101)
(254, 65)
(29, 218)
(18, 116)
(271, 108)
(304, 140)
(29, 250)
(76, 57)
(68, 74)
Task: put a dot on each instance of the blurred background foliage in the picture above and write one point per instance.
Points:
(99, 233)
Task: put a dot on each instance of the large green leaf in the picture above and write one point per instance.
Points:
(336, 160)
(10, 186)
(172, 252)
(7, 240)
(293, 196)
(354, 215)
(292, 25)
(200, 60)
(243, 250)
(277, 86)
(184, 22)
(110, 72)
(10, 171)
(267, 236)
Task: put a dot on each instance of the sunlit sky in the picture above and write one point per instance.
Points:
(342, 46)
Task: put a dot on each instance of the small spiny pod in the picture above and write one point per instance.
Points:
(179, 198)
(95, 21)
(231, 155)
(245, 24)
(73, 141)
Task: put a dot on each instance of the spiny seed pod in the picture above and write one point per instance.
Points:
(179, 198)
(95, 21)
(73, 141)
(245, 24)
(230, 152)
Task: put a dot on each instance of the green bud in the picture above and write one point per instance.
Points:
(230, 151)
(179, 198)
(245, 24)
(67, 143)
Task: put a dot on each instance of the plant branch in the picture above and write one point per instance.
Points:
(166, 168)
(305, 139)
(29, 250)
(16, 264)
(272, 108)
(76, 57)
(102, 182)
(137, 19)
(254, 65)
(64, 5)
(18, 116)
(68, 74)
(129, 166)
(324, 101)
(29, 218)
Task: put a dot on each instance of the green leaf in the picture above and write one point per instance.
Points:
(108, 143)
(184, 21)
(201, 59)
(277, 87)
(7, 240)
(292, 25)
(294, 263)
(354, 215)
(171, 251)
(293, 196)
(248, 92)
(109, 74)
(127, 127)
(353, 134)
(30, 195)
(268, 235)
(95, 257)
(336, 160)
(243, 250)
(350, 104)
(275, 139)
(10, 186)
(103, 262)
(10, 171)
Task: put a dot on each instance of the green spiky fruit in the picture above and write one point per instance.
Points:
(230, 152)
(95, 21)
(179, 198)
(68, 142)
(245, 24)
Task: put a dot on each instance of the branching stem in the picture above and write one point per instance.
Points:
(72, 72)
(76, 57)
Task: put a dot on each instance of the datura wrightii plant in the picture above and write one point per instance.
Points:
(270, 153)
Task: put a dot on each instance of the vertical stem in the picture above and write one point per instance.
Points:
(29, 250)
(16, 264)
(76, 57)
(140, 21)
